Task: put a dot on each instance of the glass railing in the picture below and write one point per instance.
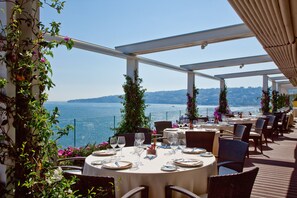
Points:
(97, 130)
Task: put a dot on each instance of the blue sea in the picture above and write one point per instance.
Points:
(94, 121)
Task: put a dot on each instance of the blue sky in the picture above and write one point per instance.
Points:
(111, 23)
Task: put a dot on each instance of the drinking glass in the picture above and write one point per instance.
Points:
(172, 139)
(138, 149)
(182, 144)
(113, 142)
(121, 143)
(139, 137)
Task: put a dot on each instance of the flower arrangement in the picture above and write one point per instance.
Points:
(223, 107)
(82, 151)
(265, 101)
(192, 110)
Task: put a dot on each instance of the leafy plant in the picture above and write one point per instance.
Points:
(265, 99)
(192, 110)
(223, 102)
(133, 113)
(29, 157)
(275, 101)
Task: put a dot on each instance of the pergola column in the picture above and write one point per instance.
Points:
(222, 84)
(274, 86)
(265, 83)
(132, 66)
(191, 83)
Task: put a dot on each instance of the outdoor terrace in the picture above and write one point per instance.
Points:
(277, 176)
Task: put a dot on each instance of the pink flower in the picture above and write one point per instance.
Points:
(154, 132)
(42, 60)
(61, 152)
(66, 38)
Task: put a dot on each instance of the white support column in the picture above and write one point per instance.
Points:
(265, 83)
(132, 66)
(191, 82)
(279, 88)
(222, 84)
(274, 86)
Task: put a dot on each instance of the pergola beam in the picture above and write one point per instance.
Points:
(228, 62)
(250, 73)
(111, 52)
(277, 78)
(188, 40)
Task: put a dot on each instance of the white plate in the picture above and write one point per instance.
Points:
(118, 165)
(206, 154)
(188, 162)
(104, 153)
(168, 168)
(194, 150)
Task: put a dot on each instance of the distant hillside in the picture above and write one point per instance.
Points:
(236, 97)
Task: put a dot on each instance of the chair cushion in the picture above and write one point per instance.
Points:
(226, 171)
(254, 134)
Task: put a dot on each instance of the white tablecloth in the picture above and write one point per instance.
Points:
(150, 174)
(181, 132)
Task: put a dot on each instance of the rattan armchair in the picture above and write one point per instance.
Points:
(231, 186)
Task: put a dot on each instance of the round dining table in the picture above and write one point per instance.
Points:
(153, 172)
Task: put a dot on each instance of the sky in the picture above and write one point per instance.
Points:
(82, 74)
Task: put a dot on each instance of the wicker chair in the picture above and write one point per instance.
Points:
(200, 140)
(74, 165)
(102, 187)
(231, 156)
(256, 134)
(231, 186)
(161, 125)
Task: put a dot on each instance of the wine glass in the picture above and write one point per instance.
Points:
(182, 143)
(113, 142)
(138, 149)
(121, 143)
(139, 137)
(172, 140)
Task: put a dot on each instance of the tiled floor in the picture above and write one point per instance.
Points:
(277, 176)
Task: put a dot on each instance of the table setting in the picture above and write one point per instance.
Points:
(133, 166)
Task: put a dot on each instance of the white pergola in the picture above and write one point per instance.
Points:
(132, 52)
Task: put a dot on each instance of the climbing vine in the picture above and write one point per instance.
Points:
(30, 156)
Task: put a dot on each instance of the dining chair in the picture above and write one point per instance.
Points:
(200, 139)
(257, 134)
(72, 165)
(231, 156)
(269, 131)
(282, 123)
(161, 125)
(101, 187)
(222, 186)
(238, 131)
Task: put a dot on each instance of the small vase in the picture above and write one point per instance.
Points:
(150, 151)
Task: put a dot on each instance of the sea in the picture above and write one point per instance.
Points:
(94, 122)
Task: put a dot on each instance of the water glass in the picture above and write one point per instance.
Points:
(172, 139)
(113, 142)
(121, 143)
(182, 144)
(139, 137)
(138, 149)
